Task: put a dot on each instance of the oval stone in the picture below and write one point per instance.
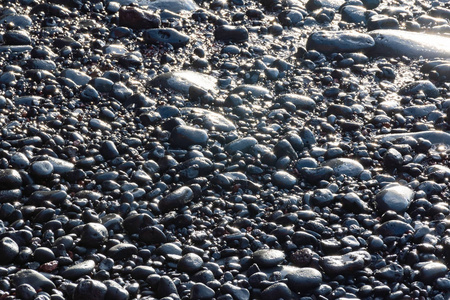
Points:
(329, 42)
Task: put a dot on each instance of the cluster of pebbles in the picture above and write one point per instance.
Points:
(226, 150)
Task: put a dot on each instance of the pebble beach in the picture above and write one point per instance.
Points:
(224, 149)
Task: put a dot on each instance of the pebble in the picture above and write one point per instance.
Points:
(136, 18)
(176, 199)
(166, 35)
(228, 150)
(344, 166)
(90, 289)
(301, 279)
(16, 37)
(392, 43)
(190, 263)
(301, 102)
(10, 179)
(33, 278)
(394, 197)
(432, 271)
(242, 145)
(329, 42)
(182, 81)
(229, 33)
(268, 257)
(394, 228)
(25, 291)
(344, 264)
(9, 250)
(211, 120)
(93, 235)
(175, 6)
(236, 292)
(277, 291)
(284, 180)
(201, 291)
(79, 270)
(185, 136)
(115, 291)
(122, 251)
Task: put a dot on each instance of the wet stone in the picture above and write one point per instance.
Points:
(425, 86)
(76, 76)
(345, 166)
(33, 278)
(122, 251)
(316, 4)
(201, 291)
(243, 145)
(354, 203)
(115, 291)
(393, 272)
(109, 150)
(344, 264)
(166, 36)
(382, 22)
(19, 161)
(16, 37)
(248, 89)
(394, 228)
(435, 137)
(268, 257)
(136, 18)
(9, 250)
(19, 21)
(79, 270)
(394, 197)
(25, 292)
(355, 14)
(142, 272)
(329, 42)
(43, 255)
(10, 179)
(166, 287)
(301, 279)
(90, 289)
(229, 33)
(301, 102)
(236, 292)
(176, 199)
(175, 6)
(185, 136)
(190, 263)
(284, 180)
(393, 43)
(211, 120)
(182, 81)
(277, 291)
(41, 169)
(93, 235)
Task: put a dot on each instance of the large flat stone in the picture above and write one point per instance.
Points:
(393, 43)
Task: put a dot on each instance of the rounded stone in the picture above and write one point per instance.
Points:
(89, 289)
(10, 179)
(79, 270)
(93, 235)
(268, 257)
(190, 263)
(300, 279)
(394, 197)
(432, 271)
(9, 250)
(284, 180)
